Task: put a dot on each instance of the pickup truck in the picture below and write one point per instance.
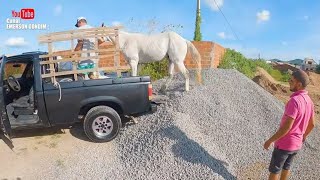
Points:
(29, 101)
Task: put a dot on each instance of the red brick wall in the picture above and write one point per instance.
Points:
(211, 54)
(218, 54)
(109, 61)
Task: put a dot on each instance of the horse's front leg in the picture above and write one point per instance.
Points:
(134, 67)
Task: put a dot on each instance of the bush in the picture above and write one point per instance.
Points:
(318, 69)
(156, 70)
(235, 60)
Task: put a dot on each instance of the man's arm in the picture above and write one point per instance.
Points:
(310, 126)
(281, 132)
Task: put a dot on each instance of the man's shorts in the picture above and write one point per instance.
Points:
(281, 159)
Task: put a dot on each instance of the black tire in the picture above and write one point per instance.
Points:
(98, 115)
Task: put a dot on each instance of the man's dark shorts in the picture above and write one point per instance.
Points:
(281, 159)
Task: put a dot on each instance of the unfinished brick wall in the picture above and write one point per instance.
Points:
(211, 54)
(109, 61)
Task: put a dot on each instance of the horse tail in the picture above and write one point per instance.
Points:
(197, 58)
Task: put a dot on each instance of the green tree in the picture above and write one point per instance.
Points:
(235, 60)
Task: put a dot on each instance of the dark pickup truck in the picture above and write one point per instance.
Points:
(29, 101)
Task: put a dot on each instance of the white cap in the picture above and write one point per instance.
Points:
(79, 18)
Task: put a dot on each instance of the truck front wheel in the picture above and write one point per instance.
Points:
(102, 124)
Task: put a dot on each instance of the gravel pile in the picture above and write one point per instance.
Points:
(214, 131)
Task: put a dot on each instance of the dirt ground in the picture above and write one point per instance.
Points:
(45, 153)
(282, 91)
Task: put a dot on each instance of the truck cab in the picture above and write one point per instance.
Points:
(29, 101)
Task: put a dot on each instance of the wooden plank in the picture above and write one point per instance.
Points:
(51, 59)
(105, 29)
(113, 68)
(74, 66)
(66, 38)
(57, 74)
(96, 49)
(68, 59)
(77, 36)
(117, 53)
(76, 59)
(70, 53)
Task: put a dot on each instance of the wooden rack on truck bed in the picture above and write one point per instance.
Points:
(75, 56)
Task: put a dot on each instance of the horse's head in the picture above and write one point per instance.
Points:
(113, 38)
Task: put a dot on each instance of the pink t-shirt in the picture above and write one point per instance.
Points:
(300, 107)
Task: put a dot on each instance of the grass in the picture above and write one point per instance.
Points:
(156, 70)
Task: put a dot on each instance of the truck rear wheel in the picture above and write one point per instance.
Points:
(102, 124)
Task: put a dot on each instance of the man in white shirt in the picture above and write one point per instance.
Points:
(85, 45)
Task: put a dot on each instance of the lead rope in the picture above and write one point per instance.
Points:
(56, 84)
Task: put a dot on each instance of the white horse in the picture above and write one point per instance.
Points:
(140, 48)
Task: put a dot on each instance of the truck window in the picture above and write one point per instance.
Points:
(14, 69)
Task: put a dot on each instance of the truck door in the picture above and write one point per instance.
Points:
(4, 122)
(5, 127)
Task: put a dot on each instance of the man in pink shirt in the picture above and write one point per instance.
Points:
(296, 123)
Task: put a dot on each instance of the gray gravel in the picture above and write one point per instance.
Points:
(214, 131)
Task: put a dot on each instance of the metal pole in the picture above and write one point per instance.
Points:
(198, 6)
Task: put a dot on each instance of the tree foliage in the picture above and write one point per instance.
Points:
(235, 60)
(197, 31)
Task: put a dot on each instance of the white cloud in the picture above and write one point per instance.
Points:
(116, 23)
(16, 42)
(213, 4)
(223, 35)
(284, 43)
(264, 15)
(306, 17)
(58, 10)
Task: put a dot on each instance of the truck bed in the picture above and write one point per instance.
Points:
(127, 95)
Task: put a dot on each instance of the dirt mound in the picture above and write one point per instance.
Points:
(265, 80)
(314, 79)
(282, 91)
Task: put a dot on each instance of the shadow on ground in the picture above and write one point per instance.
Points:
(76, 131)
(191, 151)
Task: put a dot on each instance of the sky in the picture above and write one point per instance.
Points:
(286, 29)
